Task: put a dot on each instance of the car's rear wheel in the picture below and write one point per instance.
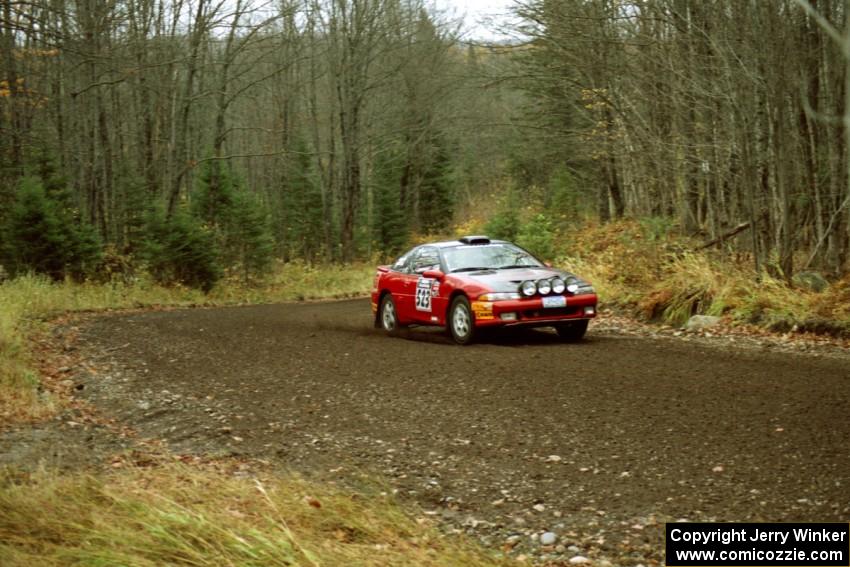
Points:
(461, 322)
(388, 315)
(572, 332)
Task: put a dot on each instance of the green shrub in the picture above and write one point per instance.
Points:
(180, 250)
(299, 217)
(504, 224)
(212, 199)
(656, 229)
(44, 235)
(390, 232)
(538, 237)
(436, 189)
(249, 236)
(239, 221)
(567, 200)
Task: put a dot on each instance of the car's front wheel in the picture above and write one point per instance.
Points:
(572, 332)
(461, 322)
(388, 315)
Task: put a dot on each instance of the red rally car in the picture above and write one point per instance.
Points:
(473, 283)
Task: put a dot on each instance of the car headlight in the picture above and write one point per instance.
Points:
(544, 287)
(499, 296)
(578, 287)
(558, 285)
(528, 288)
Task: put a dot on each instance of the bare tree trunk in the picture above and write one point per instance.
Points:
(11, 78)
(614, 188)
(325, 168)
(180, 148)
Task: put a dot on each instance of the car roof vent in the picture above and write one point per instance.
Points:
(474, 239)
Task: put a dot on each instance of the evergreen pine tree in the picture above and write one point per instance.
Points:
(238, 220)
(436, 195)
(133, 201)
(214, 193)
(249, 235)
(390, 230)
(44, 234)
(302, 216)
(505, 224)
(567, 200)
(537, 236)
(83, 251)
(55, 183)
(34, 240)
(178, 249)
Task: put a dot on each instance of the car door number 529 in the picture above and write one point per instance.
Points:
(423, 294)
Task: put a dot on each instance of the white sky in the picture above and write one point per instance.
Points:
(481, 17)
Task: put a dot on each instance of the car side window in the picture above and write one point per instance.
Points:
(426, 258)
(403, 263)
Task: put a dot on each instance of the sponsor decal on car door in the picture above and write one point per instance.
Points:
(430, 301)
(423, 294)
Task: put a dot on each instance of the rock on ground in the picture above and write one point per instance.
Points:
(700, 322)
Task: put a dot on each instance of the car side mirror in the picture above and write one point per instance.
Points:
(434, 275)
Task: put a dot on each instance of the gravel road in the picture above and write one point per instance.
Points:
(599, 442)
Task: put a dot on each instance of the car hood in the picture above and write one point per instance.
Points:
(508, 280)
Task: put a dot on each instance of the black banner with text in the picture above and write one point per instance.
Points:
(758, 545)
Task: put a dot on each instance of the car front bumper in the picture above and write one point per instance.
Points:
(531, 312)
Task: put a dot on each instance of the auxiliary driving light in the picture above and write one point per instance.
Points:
(544, 287)
(558, 285)
(528, 288)
(511, 316)
(589, 310)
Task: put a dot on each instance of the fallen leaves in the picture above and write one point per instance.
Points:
(312, 502)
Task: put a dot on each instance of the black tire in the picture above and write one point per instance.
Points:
(572, 332)
(388, 315)
(460, 321)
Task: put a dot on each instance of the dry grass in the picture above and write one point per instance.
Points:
(202, 515)
(26, 302)
(656, 274)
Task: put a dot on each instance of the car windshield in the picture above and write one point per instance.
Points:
(488, 256)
